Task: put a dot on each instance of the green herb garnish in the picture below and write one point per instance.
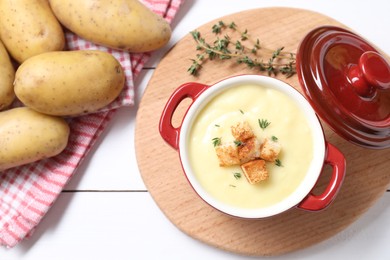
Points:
(216, 141)
(278, 163)
(242, 112)
(237, 175)
(237, 143)
(263, 123)
(274, 138)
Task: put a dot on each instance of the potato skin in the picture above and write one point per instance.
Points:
(69, 83)
(121, 24)
(27, 136)
(29, 27)
(7, 75)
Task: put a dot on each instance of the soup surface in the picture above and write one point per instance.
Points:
(251, 103)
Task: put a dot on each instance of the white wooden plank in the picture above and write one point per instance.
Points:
(129, 225)
(368, 18)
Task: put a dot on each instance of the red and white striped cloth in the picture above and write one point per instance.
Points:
(28, 192)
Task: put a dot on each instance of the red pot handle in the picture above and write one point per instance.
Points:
(318, 202)
(167, 131)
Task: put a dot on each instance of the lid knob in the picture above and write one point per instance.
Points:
(373, 72)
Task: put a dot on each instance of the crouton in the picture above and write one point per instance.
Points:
(255, 171)
(270, 150)
(242, 131)
(249, 150)
(227, 154)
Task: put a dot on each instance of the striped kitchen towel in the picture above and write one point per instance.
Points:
(28, 192)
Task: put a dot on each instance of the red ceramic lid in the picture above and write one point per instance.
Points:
(347, 82)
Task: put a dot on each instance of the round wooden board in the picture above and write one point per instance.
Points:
(367, 175)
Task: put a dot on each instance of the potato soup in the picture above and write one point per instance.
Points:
(251, 103)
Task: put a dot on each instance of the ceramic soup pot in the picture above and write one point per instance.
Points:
(273, 110)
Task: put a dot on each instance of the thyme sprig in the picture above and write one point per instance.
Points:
(245, 50)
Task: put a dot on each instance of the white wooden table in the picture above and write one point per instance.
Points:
(106, 212)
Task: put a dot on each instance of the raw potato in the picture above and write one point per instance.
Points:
(7, 75)
(121, 24)
(29, 27)
(27, 136)
(69, 83)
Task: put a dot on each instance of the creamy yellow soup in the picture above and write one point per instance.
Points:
(251, 103)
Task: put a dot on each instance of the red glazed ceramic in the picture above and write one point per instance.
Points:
(347, 82)
(302, 196)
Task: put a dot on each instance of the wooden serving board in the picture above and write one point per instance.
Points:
(367, 175)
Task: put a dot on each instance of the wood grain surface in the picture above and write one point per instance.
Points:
(367, 176)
